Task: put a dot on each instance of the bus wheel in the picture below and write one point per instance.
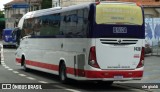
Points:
(24, 65)
(4, 46)
(62, 73)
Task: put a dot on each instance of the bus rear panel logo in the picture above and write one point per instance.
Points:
(119, 41)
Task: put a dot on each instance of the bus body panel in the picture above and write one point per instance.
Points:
(36, 52)
(112, 54)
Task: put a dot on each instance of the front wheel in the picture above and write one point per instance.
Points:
(62, 73)
(24, 66)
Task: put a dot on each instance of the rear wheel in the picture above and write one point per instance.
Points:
(62, 73)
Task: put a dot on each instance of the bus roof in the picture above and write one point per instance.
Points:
(42, 12)
(54, 10)
(69, 8)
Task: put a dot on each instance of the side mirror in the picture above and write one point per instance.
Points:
(16, 35)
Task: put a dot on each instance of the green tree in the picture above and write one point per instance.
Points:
(2, 20)
(46, 4)
(2, 23)
(1, 12)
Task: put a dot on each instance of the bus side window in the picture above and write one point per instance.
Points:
(82, 23)
(85, 19)
(23, 33)
(28, 27)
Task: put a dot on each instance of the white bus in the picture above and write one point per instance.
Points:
(94, 41)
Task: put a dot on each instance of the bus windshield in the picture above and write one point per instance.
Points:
(118, 14)
(118, 21)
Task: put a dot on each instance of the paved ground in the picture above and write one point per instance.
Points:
(151, 74)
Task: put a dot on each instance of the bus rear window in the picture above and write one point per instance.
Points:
(119, 14)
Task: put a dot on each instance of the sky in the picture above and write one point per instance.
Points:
(2, 2)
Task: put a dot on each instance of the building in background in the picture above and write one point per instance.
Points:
(13, 14)
(34, 5)
(65, 3)
(15, 9)
(151, 7)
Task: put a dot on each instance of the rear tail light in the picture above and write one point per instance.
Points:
(141, 62)
(92, 58)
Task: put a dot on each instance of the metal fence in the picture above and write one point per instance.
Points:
(152, 34)
(155, 50)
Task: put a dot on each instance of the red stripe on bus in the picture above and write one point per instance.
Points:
(43, 65)
(70, 70)
(88, 73)
(18, 60)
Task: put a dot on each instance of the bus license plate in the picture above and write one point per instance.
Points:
(118, 77)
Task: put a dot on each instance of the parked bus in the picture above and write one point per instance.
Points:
(7, 38)
(94, 41)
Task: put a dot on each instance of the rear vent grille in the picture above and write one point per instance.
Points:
(118, 41)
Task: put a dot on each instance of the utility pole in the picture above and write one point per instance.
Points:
(26, 8)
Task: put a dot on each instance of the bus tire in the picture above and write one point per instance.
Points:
(4, 46)
(24, 64)
(62, 73)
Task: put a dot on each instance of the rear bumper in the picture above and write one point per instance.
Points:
(110, 75)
